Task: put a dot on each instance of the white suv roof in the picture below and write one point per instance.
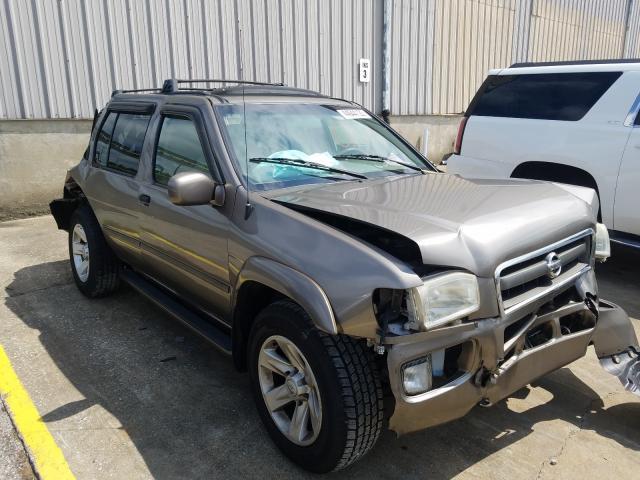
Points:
(570, 67)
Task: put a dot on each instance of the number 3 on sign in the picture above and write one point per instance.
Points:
(365, 67)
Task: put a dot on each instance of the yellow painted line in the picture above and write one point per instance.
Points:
(47, 457)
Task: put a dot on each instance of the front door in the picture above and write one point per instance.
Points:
(185, 247)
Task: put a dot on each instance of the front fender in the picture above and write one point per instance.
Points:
(297, 286)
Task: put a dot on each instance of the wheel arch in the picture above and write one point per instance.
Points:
(558, 172)
(263, 281)
(62, 208)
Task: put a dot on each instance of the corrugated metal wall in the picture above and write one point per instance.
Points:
(632, 43)
(61, 58)
(469, 37)
(575, 29)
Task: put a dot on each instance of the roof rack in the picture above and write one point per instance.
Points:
(172, 85)
(574, 62)
(116, 92)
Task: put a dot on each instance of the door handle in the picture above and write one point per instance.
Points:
(144, 199)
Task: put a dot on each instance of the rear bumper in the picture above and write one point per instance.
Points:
(487, 373)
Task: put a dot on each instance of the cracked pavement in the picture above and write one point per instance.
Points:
(94, 370)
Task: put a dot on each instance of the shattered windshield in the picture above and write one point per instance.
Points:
(286, 145)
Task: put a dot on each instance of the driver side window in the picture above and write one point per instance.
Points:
(178, 150)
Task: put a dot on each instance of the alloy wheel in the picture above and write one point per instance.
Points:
(80, 251)
(289, 390)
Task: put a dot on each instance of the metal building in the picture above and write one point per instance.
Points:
(62, 58)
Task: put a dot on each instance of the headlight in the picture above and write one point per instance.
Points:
(441, 299)
(603, 246)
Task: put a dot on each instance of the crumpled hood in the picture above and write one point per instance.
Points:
(465, 223)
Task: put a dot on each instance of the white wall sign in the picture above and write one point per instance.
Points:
(365, 70)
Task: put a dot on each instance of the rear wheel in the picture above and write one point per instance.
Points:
(318, 395)
(95, 267)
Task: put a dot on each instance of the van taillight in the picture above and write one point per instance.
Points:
(458, 144)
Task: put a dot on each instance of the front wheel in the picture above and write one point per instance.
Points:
(318, 395)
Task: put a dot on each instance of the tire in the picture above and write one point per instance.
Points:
(103, 267)
(342, 373)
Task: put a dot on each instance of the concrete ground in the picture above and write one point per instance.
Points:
(14, 464)
(129, 393)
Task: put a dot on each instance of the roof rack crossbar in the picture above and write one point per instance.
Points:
(116, 92)
(171, 85)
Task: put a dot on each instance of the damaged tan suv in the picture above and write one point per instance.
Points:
(304, 237)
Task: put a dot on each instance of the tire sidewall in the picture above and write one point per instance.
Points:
(84, 217)
(327, 450)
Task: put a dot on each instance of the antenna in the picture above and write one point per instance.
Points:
(248, 207)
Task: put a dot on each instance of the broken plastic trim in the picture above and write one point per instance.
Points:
(625, 366)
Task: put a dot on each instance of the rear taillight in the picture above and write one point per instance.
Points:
(458, 144)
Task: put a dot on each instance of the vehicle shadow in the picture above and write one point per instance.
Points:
(190, 414)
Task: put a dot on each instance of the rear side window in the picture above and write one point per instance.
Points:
(544, 96)
(126, 142)
(179, 150)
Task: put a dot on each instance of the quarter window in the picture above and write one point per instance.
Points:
(179, 150)
(126, 143)
(545, 96)
(104, 140)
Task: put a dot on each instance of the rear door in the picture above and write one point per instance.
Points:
(626, 211)
(112, 184)
(185, 247)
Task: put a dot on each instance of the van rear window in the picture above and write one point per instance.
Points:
(544, 96)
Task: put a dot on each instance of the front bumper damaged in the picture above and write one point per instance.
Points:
(495, 360)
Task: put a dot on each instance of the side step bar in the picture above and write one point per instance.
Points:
(195, 321)
(627, 239)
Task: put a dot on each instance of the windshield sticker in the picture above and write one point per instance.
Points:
(353, 113)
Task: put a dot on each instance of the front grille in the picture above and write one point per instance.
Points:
(527, 277)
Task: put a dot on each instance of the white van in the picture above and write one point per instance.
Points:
(569, 122)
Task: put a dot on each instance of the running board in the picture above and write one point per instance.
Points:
(628, 240)
(195, 321)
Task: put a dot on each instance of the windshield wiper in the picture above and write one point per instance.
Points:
(379, 159)
(302, 163)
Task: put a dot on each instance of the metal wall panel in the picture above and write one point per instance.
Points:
(411, 47)
(63, 58)
(574, 29)
(466, 38)
(632, 40)
(442, 49)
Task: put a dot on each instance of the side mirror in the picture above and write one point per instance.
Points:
(195, 188)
